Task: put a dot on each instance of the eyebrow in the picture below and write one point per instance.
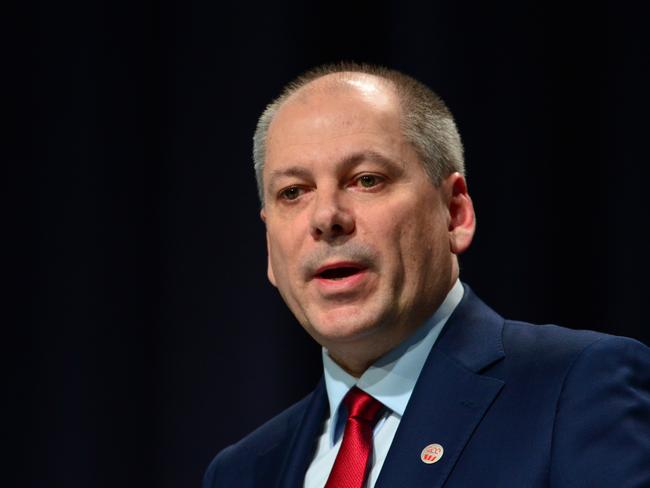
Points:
(293, 171)
(373, 156)
(345, 164)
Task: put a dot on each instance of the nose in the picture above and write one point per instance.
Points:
(329, 219)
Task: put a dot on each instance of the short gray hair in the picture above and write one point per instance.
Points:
(426, 121)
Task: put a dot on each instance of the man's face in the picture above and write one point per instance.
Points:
(358, 236)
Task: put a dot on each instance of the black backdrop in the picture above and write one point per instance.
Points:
(146, 336)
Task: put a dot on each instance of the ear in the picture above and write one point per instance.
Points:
(462, 220)
(269, 266)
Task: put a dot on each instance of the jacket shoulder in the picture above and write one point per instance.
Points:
(555, 342)
(556, 359)
(230, 466)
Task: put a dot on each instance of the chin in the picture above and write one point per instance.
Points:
(344, 325)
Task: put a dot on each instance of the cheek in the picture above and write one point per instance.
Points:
(279, 253)
(420, 237)
(398, 235)
(284, 250)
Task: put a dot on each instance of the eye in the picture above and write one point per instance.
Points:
(291, 193)
(368, 181)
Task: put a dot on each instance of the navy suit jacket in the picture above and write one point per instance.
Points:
(513, 404)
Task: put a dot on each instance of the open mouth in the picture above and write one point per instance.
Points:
(338, 273)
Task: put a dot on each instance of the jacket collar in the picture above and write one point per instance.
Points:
(473, 335)
(299, 446)
(450, 397)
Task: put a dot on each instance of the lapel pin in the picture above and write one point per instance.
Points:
(432, 453)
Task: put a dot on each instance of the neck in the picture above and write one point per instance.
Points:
(352, 367)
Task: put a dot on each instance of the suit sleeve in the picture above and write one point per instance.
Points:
(222, 471)
(209, 477)
(601, 436)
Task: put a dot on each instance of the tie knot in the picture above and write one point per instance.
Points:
(362, 406)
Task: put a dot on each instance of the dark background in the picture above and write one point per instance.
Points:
(146, 337)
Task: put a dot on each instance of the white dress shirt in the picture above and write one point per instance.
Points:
(390, 380)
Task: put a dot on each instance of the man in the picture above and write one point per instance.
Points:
(360, 172)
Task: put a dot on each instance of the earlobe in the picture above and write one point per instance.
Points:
(462, 220)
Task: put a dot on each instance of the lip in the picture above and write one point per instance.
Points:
(344, 284)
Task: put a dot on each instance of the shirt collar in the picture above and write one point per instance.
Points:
(392, 377)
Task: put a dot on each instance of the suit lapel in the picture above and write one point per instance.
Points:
(449, 399)
(298, 450)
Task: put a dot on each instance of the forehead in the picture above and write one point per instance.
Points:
(361, 84)
(332, 114)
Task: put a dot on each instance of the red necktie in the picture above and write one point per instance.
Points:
(351, 465)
